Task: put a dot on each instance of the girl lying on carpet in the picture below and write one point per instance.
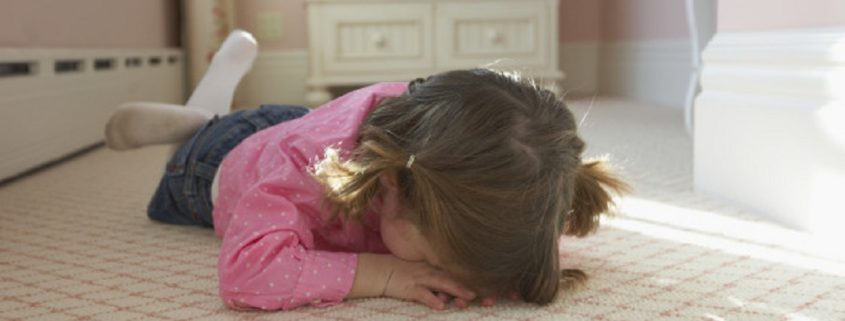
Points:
(454, 188)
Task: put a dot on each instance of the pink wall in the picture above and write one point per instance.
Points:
(294, 25)
(621, 20)
(89, 23)
(624, 20)
(774, 14)
(579, 20)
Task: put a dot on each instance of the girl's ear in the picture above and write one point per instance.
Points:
(389, 180)
(591, 198)
(389, 193)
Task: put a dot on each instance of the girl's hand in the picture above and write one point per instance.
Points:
(387, 275)
(426, 284)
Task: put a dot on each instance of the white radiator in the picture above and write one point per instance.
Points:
(54, 102)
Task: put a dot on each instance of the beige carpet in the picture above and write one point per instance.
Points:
(75, 244)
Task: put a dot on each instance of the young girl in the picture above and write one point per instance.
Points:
(456, 188)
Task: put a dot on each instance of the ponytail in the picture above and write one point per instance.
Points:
(351, 185)
(593, 182)
(572, 279)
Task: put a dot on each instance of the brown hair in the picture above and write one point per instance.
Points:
(497, 177)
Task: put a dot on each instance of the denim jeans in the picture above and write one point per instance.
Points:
(183, 195)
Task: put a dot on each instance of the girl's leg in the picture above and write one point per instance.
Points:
(138, 124)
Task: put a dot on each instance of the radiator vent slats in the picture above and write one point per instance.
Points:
(11, 67)
(16, 69)
(102, 64)
(68, 66)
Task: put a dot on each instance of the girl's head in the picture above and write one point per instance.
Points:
(482, 170)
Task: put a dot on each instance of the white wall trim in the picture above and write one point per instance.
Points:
(769, 130)
(276, 77)
(653, 71)
(579, 61)
(787, 63)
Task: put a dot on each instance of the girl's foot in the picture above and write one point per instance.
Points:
(231, 62)
(138, 124)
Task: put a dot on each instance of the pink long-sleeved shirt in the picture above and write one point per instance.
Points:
(279, 251)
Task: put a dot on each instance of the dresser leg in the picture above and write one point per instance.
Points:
(317, 96)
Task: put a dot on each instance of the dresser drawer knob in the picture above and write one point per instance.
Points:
(379, 40)
(496, 37)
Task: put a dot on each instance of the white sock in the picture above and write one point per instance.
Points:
(137, 124)
(231, 62)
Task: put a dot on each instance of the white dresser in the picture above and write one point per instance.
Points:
(355, 42)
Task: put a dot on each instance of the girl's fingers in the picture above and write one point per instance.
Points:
(488, 302)
(442, 283)
(461, 303)
(443, 297)
(424, 296)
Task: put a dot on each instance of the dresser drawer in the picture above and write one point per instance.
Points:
(376, 37)
(354, 42)
(493, 32)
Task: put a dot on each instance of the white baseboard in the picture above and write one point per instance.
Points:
(579, 61)
(54, 102)
(277, 77)
(770, 125)
(656, 71)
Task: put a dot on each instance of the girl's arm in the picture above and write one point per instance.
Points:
(267, 262)
(386, 275)
(267, 259)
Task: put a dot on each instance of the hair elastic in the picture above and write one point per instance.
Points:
(410, 161)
